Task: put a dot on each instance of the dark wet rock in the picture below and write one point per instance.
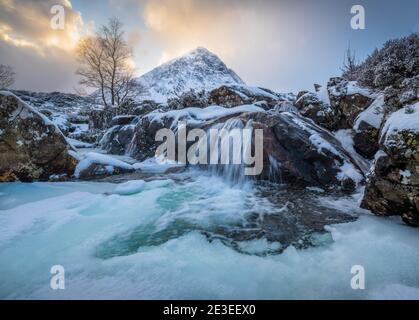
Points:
(122, 120)
(366, 140)
(98, 170)
(317, 87)
(298, 151)
(227, 97)
(31, 147)
(117, 139)
(298, 218)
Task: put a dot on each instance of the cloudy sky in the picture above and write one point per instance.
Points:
(286, 45)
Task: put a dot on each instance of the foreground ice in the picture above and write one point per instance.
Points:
(143, 240)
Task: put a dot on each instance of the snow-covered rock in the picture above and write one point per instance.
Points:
(348, 100)
(298, 151)
(95, 165)
(311, 106)
(367, 127)
(295, 150)
(31, 146)
(393, 186)
(236, 95)
(67, 111)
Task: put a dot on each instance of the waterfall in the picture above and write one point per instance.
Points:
(230, 138)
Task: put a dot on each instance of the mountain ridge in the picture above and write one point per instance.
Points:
(197, 70)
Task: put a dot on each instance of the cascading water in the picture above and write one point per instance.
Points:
(227, 149)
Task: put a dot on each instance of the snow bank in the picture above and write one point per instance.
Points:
(323, 95)
(130, 187)
(79, 144)
(353, 88)
(96, 158)
(198, 115)
(406, 119)
(373, 115)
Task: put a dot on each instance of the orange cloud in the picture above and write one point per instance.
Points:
(27, 24)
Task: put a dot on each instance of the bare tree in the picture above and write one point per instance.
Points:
(104, 64)
(91, 58)
(350, 65)
(7, 76)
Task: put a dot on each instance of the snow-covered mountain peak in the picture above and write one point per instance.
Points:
(197, 70)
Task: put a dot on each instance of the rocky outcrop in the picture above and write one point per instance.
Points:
(396, 97)
(348, 100)
(298, 151)
(393, 185)
(100, 119)
(31, 146)
(310, 106)
(227, 96)
(188, 99)
(233, 96)
(295, 149)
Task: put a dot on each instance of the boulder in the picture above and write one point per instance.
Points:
(228, 97)
(96, 165)
(310, 106)
(366, 140)
(396, 97)
(116, 140)
(100, 119)
(31, 146)
(393, 184)
(235, 95)
(367, 128)
(122, 120)
(347, 100)
(298, 151)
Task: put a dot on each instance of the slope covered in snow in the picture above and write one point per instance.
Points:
(198, 70)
